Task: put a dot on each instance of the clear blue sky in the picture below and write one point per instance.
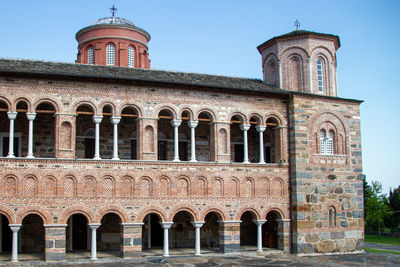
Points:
(220, 37)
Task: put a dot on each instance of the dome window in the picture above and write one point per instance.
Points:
(90, 55)
(110, 57)
(131, 57)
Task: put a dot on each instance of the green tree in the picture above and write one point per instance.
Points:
(393, 221)
(376, 207)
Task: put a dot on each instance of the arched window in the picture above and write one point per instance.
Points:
(332, 217)
(131, 57)
(322, 137)
(326, 142)
(90, 55)
(110, 55)
(320, 70)
(329, 143)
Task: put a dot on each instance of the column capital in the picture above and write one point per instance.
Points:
(31, 116)
(12, 115)
(197, 224)
(15, 227)
(94, 225)
(97, 119)
(192, 124)
(261, 128)
(166, 225)
(308, 60)
(115, 120)
(259, 222)
(244, 127)
(176, 123)
(279, 62)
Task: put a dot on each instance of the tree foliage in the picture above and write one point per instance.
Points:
(393, 221)
(376, 206)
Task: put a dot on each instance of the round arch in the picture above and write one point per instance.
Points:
(85, 103)
(152, 209)
(121, 212)
(187, 209)
(208, 112)
(55, 105)
(169, 109)
(77, 209)
(26, 101)
(8, 213)
(136, 108)
(256, 214)
(43, 213)
(7, 102)
(222, 215)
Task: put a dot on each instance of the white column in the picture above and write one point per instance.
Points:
(149, 231)
(245, 128)
(176, 124)
(31, 117)
(14, 228)
(260, 129)
(93, 248)
(192, 125)
(115, 121)
(259, 231)
(166, 226)
(280, 74)
(309, 74)
(197, 226)
(97, 120)
(11, 116)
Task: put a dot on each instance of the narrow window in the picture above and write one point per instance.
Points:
(322, 137)
(90, 55)
(320, 76)
(131, 56)
(332, 217)
(110, 55)
(329, 143)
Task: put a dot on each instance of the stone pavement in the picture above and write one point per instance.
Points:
(362, 259)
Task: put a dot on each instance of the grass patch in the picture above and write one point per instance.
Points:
(380, 251)
(382, 239)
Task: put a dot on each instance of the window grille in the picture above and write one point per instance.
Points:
(131, 57)
(320, 76)
(91, 55)
(329, 144)
(322, 142)
(110, 60)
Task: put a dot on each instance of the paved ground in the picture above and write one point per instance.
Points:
(245, 259)
(382, 246)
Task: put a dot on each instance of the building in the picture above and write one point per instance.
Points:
(107, 154)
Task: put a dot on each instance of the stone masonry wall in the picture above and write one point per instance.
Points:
(323, 182)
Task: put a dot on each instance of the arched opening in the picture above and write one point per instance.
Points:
(85, 140)
(127, 134)
(165, 135)
(32, 235)
(152, 232)
(106, 133)
(182, 231)
(253, 140)
(77, 233)
(209, 232)
(270, 229)
(248, 229)
(44, 131)
(20, 145)
(109, 235)
(272, 145)
(237, 148)
(184, 137)
(4, 129)
(204, 137)
(5, 235)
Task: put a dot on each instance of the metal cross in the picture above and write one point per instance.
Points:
(297, 24)
(113, 10)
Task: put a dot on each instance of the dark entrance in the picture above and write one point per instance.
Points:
(6, 234)
(210, 231)
(109, 233)
(6, 143)
(270, 230)
(32, 234)
(182, 231)
(248, 230)
(77, 223)
(183, 146)
(89, 148)
(152, 230)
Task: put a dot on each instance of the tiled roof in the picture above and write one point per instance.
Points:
(79, 71)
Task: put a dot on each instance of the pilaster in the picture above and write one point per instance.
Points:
(131, 239)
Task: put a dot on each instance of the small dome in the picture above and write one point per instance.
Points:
(114, 20)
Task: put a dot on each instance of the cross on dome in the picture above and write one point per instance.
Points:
(113, 10)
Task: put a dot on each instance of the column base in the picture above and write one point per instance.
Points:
(93, 259)
(96, 158)
(197, 254)
(30, 157)
(115, 158)
(14, 261)
(10, 156)
(176, 160)
(166, 255)
(246, 162)
(193, 160)
(261, 162)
